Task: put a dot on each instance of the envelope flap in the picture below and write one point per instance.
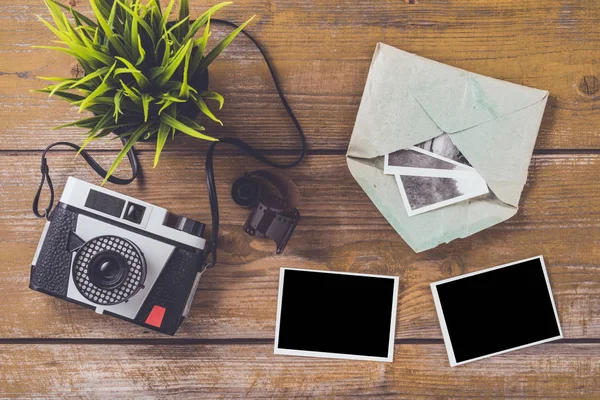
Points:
(390, 117)
(469, 99)
(500, 150)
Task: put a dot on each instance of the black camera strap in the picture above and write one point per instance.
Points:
(245, 147)
(210, 178)
(131, 156)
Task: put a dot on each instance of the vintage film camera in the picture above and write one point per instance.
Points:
(120, 256)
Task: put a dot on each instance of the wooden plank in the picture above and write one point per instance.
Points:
(341, 230)
(322, 56)
(252, 371)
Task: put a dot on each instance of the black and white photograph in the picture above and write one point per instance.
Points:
(421, 194)
(416, 161)
(496, 310)
(443, 146)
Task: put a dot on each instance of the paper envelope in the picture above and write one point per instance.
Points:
(410, 99)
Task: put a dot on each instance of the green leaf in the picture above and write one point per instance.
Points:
(166, 54)
(102, 124)
(185, 89)
(140, 21)
(168, 97)
(200, 47)
(89, 77)
(164, 77)
(214, 53)
(53, 79)
(85, 36)
(111, 17)
(177, 125)
(204, 108)
(76, 14)
(107, 28)
(203, 41)
(151, 131)
(96, 39)
(58, 86)
(82, 123)
(167, 104)
(141, 51)
(70, 31)
(189, 122)
(56, 48)
(133, 137)
(166, 14)
(156, 71)
(136, 98)
(163, 134)
(91, 138)
(210, 95)
(175, 26)
(56, 14)
(146, 99)
(184, 15)
(173, 87)
(117, 102)
(203, 19)
(58, 33)
(100, 90)
(90, 53)
(137, 74)
(70, 97)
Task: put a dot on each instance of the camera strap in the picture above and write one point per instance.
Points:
(131, 156)
(210, 178)
(245, 147)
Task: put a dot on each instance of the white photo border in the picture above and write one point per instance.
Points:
(320, 354)
(442, 320)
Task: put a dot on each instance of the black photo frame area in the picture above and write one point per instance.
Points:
(336, 315)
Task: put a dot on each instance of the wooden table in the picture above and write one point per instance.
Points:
(321, 50)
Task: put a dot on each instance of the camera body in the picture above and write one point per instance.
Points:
(120, 256)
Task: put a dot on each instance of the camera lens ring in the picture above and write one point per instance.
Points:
(122, 278)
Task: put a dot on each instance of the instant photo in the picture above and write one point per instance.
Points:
(443, 146)
(422, 193)
(496, 310)
(336, 315)
(415, 161)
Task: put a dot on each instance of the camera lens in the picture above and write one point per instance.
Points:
(107, 269)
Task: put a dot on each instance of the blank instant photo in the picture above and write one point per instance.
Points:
(336, 315)
(421, 194)
(496, 310)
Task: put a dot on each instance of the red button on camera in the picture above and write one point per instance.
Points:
(156, 316)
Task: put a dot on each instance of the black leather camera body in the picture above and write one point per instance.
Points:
(120, 256)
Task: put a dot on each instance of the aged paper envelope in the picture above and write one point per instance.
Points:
(410, 99)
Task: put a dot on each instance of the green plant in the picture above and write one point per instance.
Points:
(139, 69)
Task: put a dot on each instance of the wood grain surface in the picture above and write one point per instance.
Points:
(251, 371)
(321, 51)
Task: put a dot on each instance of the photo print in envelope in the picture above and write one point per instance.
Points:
(409, 100)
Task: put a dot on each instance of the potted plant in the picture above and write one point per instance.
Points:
(145, 77)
